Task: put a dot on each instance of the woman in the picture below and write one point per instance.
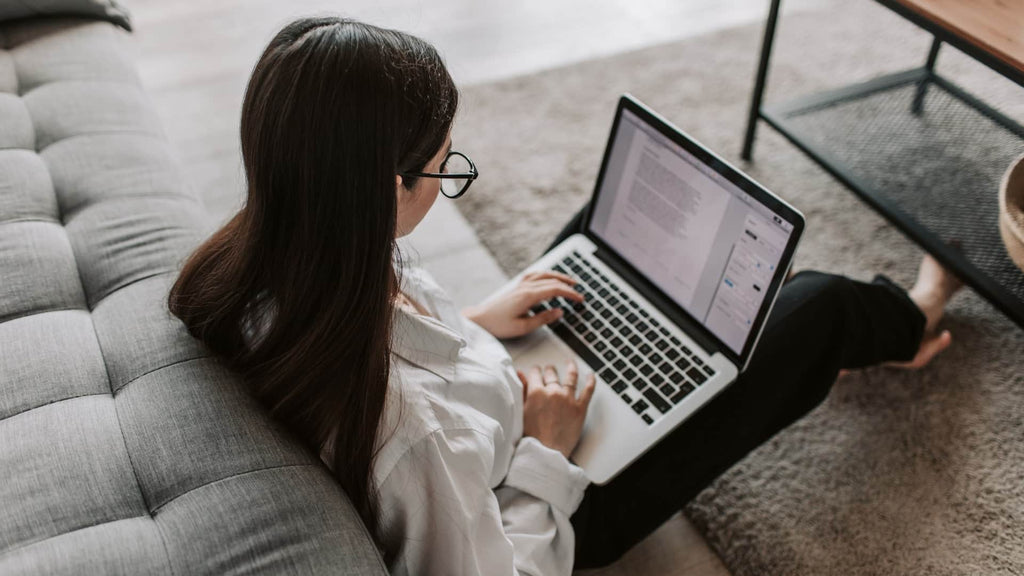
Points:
(455, 462)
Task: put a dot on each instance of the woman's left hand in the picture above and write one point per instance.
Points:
(508, 315)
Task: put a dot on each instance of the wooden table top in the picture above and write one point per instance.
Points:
(994, 26)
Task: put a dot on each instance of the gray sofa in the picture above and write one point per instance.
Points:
(124, 447)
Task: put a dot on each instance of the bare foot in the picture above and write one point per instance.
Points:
(934, 287)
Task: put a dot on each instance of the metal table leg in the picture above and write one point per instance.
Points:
(922, 86)
(762, 73)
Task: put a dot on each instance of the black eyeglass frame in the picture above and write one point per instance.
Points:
(468, 176)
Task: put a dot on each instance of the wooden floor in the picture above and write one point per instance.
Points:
(196, 55)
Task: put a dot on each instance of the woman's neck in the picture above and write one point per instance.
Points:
(407, 303)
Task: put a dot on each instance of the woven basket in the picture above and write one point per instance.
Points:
(1011, 211)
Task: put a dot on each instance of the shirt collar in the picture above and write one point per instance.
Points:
(423, 340)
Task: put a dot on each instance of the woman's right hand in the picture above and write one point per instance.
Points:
(552, 411)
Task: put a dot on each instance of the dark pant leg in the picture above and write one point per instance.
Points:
(820, 324)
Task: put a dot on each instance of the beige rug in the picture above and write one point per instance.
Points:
(896, 473)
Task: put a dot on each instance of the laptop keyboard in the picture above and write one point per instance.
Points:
(648, 367)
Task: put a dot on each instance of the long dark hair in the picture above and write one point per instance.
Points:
(296, 291)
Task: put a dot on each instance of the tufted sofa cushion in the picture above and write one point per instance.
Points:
(124, 447)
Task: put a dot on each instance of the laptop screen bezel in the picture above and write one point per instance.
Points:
(745, 183)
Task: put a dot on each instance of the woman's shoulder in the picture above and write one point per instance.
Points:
(419, 407)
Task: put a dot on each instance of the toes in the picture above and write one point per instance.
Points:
(929, 349)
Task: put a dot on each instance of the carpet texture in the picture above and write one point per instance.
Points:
(896, 473)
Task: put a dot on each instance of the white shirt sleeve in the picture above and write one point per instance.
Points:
(450, 521)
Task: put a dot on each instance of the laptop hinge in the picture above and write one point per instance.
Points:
(666, 306)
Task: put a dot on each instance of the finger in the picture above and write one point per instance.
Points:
(549, 289)
(534, 377)
(588, 392)
(572, 373)
(551, 375)
(530, 323)
(551, 274)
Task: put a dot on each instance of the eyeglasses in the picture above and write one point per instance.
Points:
(457, 173)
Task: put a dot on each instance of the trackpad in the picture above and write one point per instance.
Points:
(543, 348)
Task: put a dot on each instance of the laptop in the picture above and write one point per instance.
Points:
(680, 259)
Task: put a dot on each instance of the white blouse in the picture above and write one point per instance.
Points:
(461, 490)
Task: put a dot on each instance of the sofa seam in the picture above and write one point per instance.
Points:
(50, 403)
(28, 313)
(159, 508)
(97, 303)
(119, 83)
(24, 545)
(99, 133)
(157, 369)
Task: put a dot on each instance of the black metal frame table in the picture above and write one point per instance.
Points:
(960, 229)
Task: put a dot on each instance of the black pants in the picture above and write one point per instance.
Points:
(821, 323)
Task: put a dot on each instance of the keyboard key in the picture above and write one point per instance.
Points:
(619, 386)
(641, 327)
(652, 334)
(709, 371)
(696, 375)
(645, 349)
(672, 353)
(597, 324)
(627, 351)
(607, 374)
(644, 313)
(683, 365)
(622, 309)
(626, 331)
(655, 358)
(663, 330)
(629, 374)
(603, 292)
(656, 399)
(631, 318)
(636, 360)
(573, 341)
(600, 346)
(597, 305)
(588, 315)
(640, 406)
(635, 340)
(661, 345)
(675, 341)
(646, 369)
(616, 342)
(647, 419)
(687, 351)
(665, 367)
(657, 379)
(619, 364)
(698, 361)
(615, 322)
(613, 301)
(606, 333)
(675, 377)
(627, 398)
(683, 392)
(609, 355)
(667, 389)
(590, 336)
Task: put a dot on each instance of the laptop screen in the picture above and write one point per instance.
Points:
(698, 237)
